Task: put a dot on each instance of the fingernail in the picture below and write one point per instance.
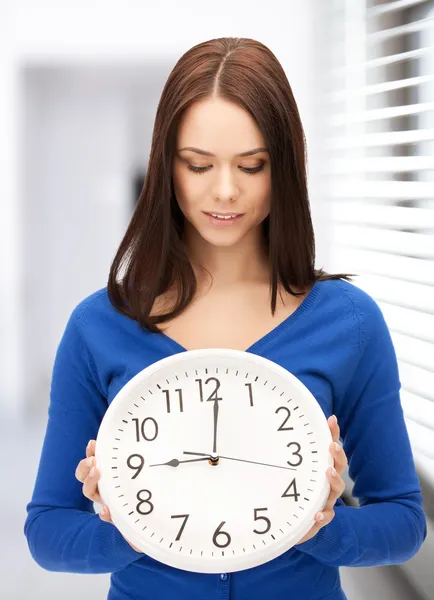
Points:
(92, 472)
(337, 447)
(89, 461)
(321, 517)
(334, 419)
(334, 474)
(102, 511)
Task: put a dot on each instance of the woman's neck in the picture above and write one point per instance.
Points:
(229, 265)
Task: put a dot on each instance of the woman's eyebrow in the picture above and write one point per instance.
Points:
(205, 153)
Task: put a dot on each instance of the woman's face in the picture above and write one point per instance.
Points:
(217, 179)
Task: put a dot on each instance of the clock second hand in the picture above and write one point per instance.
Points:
(240, 460)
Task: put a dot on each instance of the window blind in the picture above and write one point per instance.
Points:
(376, 107)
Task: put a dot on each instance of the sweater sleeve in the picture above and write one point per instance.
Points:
(62, 529)
(389, 525)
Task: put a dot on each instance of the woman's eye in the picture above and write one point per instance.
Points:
(253, 170)
(197, 169)
(249, 171)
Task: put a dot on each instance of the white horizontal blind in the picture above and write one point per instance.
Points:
(378, 176)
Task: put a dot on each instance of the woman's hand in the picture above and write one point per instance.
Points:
(88, 475)
(337, 483)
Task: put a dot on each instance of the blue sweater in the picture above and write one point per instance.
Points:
(338, 344)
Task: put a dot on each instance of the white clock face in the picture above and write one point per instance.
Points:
(257, 446)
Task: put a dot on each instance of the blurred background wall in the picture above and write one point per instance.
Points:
(79, 86)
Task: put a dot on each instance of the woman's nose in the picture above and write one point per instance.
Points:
(226, 188)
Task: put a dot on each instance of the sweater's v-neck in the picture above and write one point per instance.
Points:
(283, 325)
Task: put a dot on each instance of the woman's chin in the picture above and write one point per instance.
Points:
(221, 238)
(215, 236)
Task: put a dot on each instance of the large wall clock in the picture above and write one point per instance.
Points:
(214, 460)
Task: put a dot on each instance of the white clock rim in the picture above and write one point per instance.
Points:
(198, 564)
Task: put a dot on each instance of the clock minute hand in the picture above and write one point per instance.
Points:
(243, 460)
(216, 415)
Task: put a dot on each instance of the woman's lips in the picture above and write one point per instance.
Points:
(223, 222)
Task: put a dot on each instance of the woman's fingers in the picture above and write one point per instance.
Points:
(340, 458)
(337, 487)
(85, 465)
(336, 450)
(90, 449)
(87, 473)
(104, 514)
(90, 485)
(337, 484)
(334, 428)
(83, 468)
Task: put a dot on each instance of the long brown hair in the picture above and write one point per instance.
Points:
(244, 71)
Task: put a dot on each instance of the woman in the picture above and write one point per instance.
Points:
(220, 253)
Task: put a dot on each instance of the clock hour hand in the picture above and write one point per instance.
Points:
(175, 462)
(241, 460)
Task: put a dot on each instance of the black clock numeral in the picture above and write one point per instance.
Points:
(185, 517)
(256, 518)
(213, 395)
(295, 495)
(199, 381)
(167, 392)
(139, 468)
(249, 385)
(282, 428)
(141, 429)
(218, 532)
(146, 501)
(296, 453)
